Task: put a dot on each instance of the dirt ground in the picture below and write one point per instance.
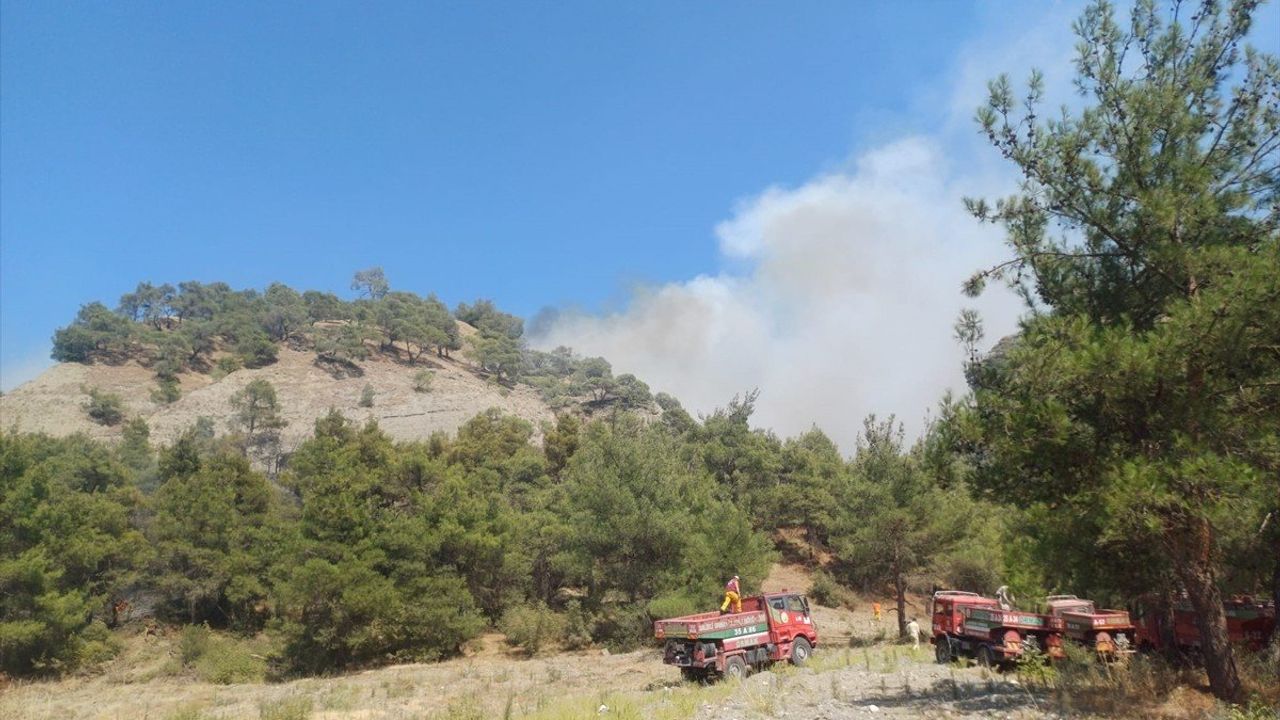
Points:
(494, 681)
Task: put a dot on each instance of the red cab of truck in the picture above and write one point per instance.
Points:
(771, 627)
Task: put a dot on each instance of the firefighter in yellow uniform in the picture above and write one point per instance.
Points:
(732, 594)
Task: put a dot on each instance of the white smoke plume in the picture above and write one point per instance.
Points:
(853, 282)
(848, 308)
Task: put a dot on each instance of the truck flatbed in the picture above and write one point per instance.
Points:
(712, 625)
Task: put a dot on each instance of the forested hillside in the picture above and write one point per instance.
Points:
(173, 355)
(365, 551)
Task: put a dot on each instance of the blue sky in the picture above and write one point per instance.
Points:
(536, 153)
(718, 196)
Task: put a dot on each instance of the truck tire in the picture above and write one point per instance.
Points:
(735, 667)
(942, 650)
(987, 657)
(800, 651)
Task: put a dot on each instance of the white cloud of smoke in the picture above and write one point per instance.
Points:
(854, 281)
(848, 309)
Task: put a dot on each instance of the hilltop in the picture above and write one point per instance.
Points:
(173, 355)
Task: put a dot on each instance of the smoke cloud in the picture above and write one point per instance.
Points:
(847, 309)
(852, 281)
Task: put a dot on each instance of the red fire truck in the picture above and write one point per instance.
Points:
(1108, 632)
(771, 627)
(1250, 623)
(967, 624)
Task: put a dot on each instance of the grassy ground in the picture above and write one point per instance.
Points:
(195, 675)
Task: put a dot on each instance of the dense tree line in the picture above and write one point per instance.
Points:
(366, 550)
(180, 329)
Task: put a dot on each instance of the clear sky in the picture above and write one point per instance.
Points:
(732, 194)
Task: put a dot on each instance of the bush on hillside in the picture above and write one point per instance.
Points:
(256, 350)
(220, 659)
(824, 590)
(167, 391)
(422, 381)
(228, 364)
(532, 627)
(105, 408)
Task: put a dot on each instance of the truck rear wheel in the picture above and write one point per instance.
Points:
(735, 667)
(800, 651)
(986, 657)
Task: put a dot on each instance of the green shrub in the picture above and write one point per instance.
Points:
(366, 396)
(577, 630)
(532, 626)
(97, 645)
(194, 643)
(188, 712)
(290, 708)
(227, 365)
(220, 659)
(622, 628)
(167, 391)
(824, 590)
(1255, 710)
(422, 381)
(464, 708)
(674, 605)
(256, 350)
(105, 408)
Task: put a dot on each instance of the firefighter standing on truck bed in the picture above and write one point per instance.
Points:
(732, 594)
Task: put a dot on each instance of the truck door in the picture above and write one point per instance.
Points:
(798, 613)
(778, 617)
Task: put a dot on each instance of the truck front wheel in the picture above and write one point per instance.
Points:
(942, 649)
(800, 651)
(735, 667)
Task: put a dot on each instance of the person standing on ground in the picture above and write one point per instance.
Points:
(875, 610)
(732, 594)
(913, 631)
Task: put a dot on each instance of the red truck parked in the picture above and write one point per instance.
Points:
(1108, 632)
(968, 624)
(771, 627)
(1249, 622)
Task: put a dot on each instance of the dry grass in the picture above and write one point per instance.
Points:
(1150, 687)
(148, 680)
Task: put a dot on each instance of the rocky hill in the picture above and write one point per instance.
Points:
(54, 402)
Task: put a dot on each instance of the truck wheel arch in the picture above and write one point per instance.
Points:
(800, 650)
